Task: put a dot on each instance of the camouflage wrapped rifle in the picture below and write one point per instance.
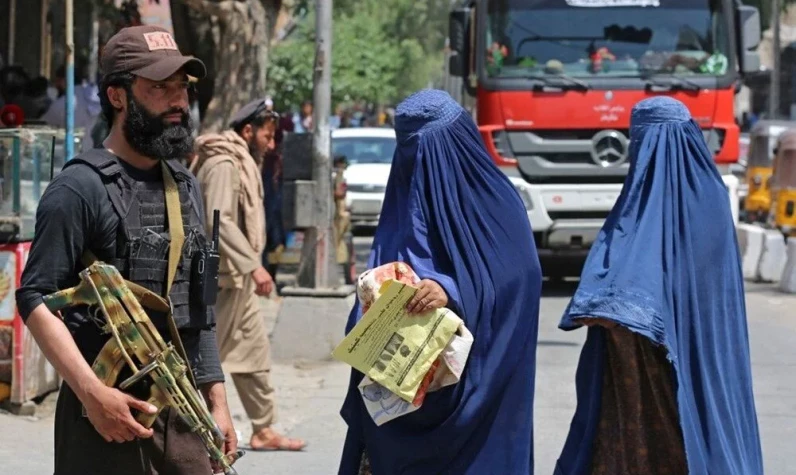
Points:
(135, 338)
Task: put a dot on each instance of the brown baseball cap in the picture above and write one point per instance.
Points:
(149, 52)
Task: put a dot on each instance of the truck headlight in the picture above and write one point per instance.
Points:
(757, 180)
(525, 195)
(714, 139)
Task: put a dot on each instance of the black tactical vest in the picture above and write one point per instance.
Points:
(142, 238)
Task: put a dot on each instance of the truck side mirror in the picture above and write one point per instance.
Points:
(458, 26)
(748, 21)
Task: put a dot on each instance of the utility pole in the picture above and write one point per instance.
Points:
(12, 30)
(93, 59)
(69, 140)
(318, 302)
(773, 105)
(318, 254)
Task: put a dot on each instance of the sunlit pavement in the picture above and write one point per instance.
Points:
(310, 395)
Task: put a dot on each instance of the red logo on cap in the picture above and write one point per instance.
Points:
(160, 40)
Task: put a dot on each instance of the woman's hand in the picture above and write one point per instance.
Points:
(429, 296)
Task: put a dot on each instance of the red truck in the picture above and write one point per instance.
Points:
(554, 82)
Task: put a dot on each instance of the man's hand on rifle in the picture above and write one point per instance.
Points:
(216, 398)
(108, 409)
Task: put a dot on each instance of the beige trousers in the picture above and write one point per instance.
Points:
(245, 351)
(257, 396)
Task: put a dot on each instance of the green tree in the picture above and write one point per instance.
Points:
(241, 37)
(764, 7)
(382, 50)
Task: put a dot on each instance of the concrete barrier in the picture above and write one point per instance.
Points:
(732, 184)
(787, 282)
(751, 239)
(772, 260)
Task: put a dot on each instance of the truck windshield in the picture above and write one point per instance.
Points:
(595, 38)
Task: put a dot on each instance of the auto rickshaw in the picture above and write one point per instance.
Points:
(783, 184)
(762, 143)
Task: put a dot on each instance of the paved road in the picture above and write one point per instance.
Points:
(309, 397)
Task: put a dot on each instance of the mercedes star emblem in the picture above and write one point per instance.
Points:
(609, 148)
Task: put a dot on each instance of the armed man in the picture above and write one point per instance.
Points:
(125, 204)
(228, 167)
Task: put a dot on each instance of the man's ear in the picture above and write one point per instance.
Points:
(117, 96)
(247, 132)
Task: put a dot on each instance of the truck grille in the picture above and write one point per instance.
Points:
(567, 158)
(578, 134)
(361, 188)
(571, 155)
(557, 215)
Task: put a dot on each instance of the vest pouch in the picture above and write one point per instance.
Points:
(149, 273)
(143, 240)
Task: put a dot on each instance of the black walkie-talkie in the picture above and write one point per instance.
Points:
(205, 269)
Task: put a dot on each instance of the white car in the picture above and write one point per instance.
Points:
(369, 152)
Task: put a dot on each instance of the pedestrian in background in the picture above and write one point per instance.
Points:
(342, 217)
(273, 183)
(456, 219)
(228, 168)
(302, 121)
(664, 383)
(86, 107)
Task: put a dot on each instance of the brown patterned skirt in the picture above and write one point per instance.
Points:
(639, 431)
(364, 465)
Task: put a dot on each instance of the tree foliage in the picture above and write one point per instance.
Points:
(382, 50)
(242, 31)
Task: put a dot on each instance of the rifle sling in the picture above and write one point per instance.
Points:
(177, 233)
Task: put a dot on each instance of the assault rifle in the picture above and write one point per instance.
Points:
(135, 338)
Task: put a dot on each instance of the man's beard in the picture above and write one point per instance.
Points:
(152, 137)
(256, 154)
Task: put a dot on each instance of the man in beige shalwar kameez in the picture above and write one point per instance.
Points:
(228, 169)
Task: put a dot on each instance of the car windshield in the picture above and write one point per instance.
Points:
(364, 150)
(539, 38)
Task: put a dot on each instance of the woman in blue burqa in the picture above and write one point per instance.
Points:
(664, 382)
(456, 219)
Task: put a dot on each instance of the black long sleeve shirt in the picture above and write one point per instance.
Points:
(75, 214)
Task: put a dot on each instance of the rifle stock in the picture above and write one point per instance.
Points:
(81, 294)
(137, 343)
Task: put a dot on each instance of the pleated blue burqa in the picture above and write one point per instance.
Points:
(666, 266)
(455, 218)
